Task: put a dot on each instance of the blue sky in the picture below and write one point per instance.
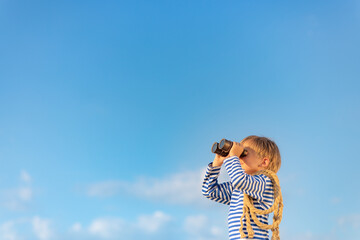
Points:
(108, 110)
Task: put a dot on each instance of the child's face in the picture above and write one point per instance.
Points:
(251, 162)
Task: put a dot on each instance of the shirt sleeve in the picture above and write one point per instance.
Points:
(253, 185)
(220, 193)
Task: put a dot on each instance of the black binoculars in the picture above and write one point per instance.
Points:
(223, 148)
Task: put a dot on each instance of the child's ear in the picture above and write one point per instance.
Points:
(265, 162)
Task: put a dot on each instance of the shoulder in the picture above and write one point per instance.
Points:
(262, 178)
(266, 180)
(268, 188)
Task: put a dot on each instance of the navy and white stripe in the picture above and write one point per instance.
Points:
(259, 187)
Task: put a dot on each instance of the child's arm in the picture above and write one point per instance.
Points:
(211, 189)
(255, 186)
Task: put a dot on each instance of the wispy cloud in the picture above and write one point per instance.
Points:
(8, 232)
(307, 234)
(179, 188)
(17, 229)
(157, 225)
(19, 197)
(25, 176)
(41, 228)
(199, 227)
(119, 228)
(76, 227)
(153, 223)
(352, 220)
(107, 228)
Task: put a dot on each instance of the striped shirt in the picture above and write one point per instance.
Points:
(259, 187)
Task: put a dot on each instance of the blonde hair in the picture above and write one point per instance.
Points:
(265, 147)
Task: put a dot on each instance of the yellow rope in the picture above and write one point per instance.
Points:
(249, 211)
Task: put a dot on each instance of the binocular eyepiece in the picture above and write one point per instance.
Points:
(223, 148)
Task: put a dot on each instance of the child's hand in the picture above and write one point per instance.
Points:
(236, 150)
(218, 161)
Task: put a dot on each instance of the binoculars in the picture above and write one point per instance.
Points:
(223, 148)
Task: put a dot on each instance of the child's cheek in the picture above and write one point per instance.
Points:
(241, 163)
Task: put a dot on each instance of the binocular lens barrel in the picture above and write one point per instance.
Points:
(215, 148)
(223, 148)
(225, 145)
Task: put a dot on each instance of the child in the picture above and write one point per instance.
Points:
(256, 154)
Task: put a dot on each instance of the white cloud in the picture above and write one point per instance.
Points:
(76, 227)
(216, 231)
(41, 228)
(107, 228)
(117, 228)
(25, 177)
(17, 198)
(195, 224)
(307, 235)
(20, 229)
(158, 225)
(153, 223)
(7, 231)
(179, 188)
(25, 193)
(350, 220)
(199, 227)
